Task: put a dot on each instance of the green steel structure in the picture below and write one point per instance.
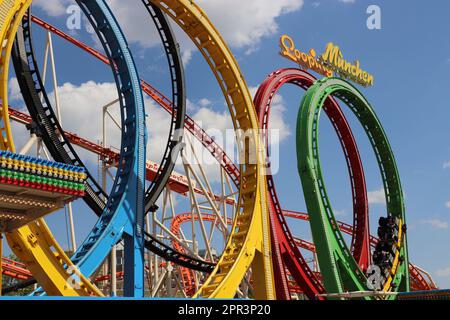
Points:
(339, 269)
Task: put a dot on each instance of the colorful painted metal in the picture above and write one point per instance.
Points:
(286, 254)
(34, 241)
(31, 188)
(340, 271)
(127, 192)
(249, 243)
(164, 102)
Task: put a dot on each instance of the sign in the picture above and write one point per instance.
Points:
(328, 64)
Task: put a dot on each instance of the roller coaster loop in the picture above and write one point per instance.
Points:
(249, 243)
(284, 243)
(178, 109)
(127, 193)
(340, 271)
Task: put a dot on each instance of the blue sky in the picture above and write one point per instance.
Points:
(409, 57)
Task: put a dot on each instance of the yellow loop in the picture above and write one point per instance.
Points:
(249, 242)
(34, 243)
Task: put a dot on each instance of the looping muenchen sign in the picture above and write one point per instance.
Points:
(329, 63)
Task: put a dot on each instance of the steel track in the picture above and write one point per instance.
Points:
(249, 243)
(288, 253)
(151, 243)
(127, 191)
(340, 271)
(32, 242)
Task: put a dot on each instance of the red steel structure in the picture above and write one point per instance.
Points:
(418, 280)
(286, 253)
(208, 142)
(188, 276)
(285, 250)
(201, 135)
(18, 271)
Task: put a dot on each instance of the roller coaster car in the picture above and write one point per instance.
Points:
(31, 188)
(388, 235)
(387, 246)
(388, 222)
(380, 258)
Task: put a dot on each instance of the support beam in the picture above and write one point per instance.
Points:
(1, 259)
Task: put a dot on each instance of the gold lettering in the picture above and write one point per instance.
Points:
(370, 80)
(347, 67)
(311, 62)
(358, 70)
(340, 61)
(304, 58)
(332, 54)
(287, 46)
(330, 62)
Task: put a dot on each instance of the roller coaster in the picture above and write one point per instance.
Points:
(235, 240)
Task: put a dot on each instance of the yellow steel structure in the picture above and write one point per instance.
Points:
(249, 242)
(1, 268)
(34, 243)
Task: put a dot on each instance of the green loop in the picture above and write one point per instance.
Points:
(339, 269)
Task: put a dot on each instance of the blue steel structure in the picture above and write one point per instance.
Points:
(47, 126)
(123, 215)
(124, 212)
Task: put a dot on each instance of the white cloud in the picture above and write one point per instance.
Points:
(212, 120)
(252, 21)
(276, 120)
(376, 197)
(435, 223)
(443, 273)
(340, 213)
(14, 93)
(243, 28)
(52, 7)
(347, 1)
(446, 165)
(204, 102)
(447, 204)
(186, 53)
(191, 106)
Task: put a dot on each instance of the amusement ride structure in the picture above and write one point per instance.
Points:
(234, 240)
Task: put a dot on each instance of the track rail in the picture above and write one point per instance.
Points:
(15, 270)
(151, 243)
(416, 276)
(340, 271)
(32, 242)
(178, 114)
(418, 281)
(287, 251)
(51, 133)
(208, 142)
(187, 276)
(250, 237)
(127, 192)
